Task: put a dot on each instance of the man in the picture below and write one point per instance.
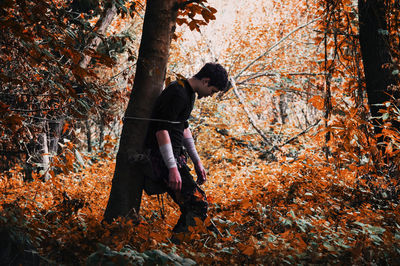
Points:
(169, 132)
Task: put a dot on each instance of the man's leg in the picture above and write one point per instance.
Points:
(191, 199)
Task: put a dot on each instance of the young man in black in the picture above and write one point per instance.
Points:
(169, 132)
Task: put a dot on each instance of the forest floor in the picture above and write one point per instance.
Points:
(289, 210)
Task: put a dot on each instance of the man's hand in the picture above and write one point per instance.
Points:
(174, 179)
(201, 173)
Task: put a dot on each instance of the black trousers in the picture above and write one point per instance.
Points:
(191, 199)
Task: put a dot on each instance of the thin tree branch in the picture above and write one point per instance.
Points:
(269, 74)
(116, 75)
(30, 111)
(275, 45)
(277, 147)
(249, 115)
(338, 33)
(260, 85)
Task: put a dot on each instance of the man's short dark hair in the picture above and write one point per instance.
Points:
(217, 74)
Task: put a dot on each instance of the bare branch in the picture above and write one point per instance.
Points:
(269, 74)
(249, 115)
(275, 45)
(30, 111)
(277, 147)
(116, 75)
(259, 85)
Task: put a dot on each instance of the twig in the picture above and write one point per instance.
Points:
(249, 115)
(275, 45)
(269, 74)
(116, 75)
(30, 111)
(260, 85)
(276, 147)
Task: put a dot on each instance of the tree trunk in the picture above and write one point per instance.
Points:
(45, 156)
(88, 135)
(128, 180)
(55, 129)
(283, 107)
(101, 25)
(376, 57)
(101, 134)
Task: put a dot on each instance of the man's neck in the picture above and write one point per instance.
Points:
(192, 82)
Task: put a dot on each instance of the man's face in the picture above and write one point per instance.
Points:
(205, 90)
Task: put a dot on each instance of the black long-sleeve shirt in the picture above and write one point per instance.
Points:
(175, 103)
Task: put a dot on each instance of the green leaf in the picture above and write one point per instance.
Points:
(227, 250)
(377, 240)
(121, 3)
(360, 224)
(376, 230)
(124, 9)
(329, 247)
(385, 116)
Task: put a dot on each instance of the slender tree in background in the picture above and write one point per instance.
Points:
(158, 29)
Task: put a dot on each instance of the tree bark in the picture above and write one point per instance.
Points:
(88, 135)
(45, 156)
(101, 134)
(55, 129)
(283, 107)
(101, 25)
(376, 57)
(128, 180)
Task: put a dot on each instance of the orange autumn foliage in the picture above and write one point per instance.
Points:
(293, 205)
(289, 210)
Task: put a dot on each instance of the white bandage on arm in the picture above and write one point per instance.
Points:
(168, 155)
(191, 149)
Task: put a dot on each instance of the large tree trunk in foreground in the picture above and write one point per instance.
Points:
(375, 50)
(128, 181)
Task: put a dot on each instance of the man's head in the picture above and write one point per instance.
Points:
(211, 78)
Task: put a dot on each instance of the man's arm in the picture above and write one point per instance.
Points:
(164, 143)
(188, 142)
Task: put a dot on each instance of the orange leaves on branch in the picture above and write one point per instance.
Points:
(317, 101)
(180, 21)
(208, 14)
(188, 15)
